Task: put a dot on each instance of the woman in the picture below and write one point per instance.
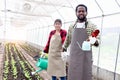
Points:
(56, 66)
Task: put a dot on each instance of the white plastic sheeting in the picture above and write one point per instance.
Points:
(33, 20)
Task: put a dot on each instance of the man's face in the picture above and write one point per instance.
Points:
(81, 13)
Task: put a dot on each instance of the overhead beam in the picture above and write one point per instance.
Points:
(48, 4)
(27, 14)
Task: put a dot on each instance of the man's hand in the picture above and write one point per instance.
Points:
(96, 43)
(92, 39)
(64, 56)
(64, 50)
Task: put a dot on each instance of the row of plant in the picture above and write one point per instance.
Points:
(6, 63)
(32, 51)
(26, 65)
(16, 67)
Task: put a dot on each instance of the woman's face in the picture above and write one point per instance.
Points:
(57, 25)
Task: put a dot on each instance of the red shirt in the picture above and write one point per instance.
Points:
(63, 34)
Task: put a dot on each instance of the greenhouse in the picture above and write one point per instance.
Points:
(25, 30)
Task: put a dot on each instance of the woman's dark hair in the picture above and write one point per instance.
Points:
(82, 6)
(58, 20)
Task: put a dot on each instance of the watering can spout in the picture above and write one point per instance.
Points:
(42, 64)
(39, 70)
(36, 71)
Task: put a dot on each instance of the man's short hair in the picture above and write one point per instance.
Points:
(82, 6)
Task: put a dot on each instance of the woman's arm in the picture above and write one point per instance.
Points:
(46, 49)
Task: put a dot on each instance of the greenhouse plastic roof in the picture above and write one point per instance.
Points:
(22, 12)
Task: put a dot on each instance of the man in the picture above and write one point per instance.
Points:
(80, 64)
